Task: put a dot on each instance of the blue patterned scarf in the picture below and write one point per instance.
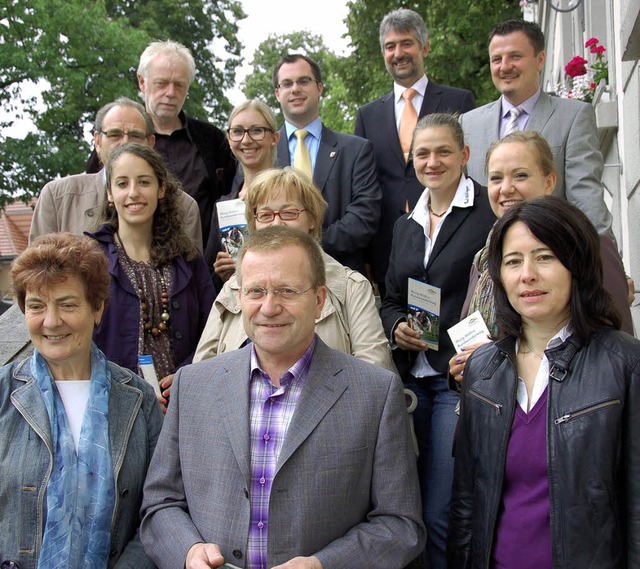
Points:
(81, 489)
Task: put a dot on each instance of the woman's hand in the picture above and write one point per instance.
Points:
(165, 387)
(224, 266)
(408, 339)
(458, 361)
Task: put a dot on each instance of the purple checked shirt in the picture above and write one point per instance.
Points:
(271, 411)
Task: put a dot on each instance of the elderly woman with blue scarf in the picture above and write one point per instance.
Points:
(76, 432)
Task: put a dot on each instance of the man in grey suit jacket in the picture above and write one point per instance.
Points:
(285, 453)
(516, 52)
(73, 203)
(404, 41)
(343, 166)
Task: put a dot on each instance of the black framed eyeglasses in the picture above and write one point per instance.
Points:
(256, 133)
(301, 81)
(284, 293)
(115, 135)
(284, 214)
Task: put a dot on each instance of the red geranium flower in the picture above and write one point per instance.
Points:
(592, 41)
(598, 49)
(576, 67)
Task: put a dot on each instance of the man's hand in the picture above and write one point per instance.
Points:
(408, 339)
(203, 556)
(301, 563)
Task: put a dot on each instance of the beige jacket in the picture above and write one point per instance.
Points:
(73, 204)
(349, 320)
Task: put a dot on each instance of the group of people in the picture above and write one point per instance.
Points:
(287, 443)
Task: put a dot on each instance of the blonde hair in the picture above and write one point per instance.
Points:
(295, 185)
(267, 114)
(535, 143)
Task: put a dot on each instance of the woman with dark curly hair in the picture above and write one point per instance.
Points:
(161, 290)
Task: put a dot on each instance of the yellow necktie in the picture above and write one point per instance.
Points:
(301, 158)
(408, 122)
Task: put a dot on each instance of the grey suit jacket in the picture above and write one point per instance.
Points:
(345, 173)
(569, 127)
(73, 204)
(345, 487)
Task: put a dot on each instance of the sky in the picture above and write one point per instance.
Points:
(324, 18)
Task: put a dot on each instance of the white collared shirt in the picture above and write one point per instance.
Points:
(526, 107)
(420, 86)
(463, 198)
(542, 377)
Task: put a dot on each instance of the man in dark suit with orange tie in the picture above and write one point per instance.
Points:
(404, 43)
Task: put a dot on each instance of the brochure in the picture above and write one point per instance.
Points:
(233, 225)
(423, 314)
(471, 330)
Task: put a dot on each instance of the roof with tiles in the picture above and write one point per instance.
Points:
(15, 221)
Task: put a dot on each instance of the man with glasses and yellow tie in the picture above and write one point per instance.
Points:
(341, 165)
(73, 203)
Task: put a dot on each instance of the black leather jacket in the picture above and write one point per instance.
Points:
(593, 452)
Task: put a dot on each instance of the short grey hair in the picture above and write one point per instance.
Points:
(167, 47)
(404, 20)
(124, 102)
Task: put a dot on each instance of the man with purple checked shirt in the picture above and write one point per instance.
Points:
(284, 454)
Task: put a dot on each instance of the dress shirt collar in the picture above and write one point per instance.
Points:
(297, 372)
(463, 198)
(527, 106)
(314, 128)
(420, 86)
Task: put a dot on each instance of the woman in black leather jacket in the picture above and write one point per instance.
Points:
(547, 469)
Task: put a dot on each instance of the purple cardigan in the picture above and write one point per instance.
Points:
(190, 301)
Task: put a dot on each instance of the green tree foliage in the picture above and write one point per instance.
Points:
(336, 112)
(84, 53)
(458, 35)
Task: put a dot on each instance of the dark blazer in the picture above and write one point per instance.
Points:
(462, 235)
(345, 173)
(376, 121)
(345, 486)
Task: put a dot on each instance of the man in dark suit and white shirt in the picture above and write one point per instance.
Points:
(517, 56)
(342, 165)
(284, 454)
(404, 41)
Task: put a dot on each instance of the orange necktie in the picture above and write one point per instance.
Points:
(408, 122)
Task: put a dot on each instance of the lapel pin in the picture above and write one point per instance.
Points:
(332, 155)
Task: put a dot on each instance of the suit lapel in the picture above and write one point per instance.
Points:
(453, 222)
(234, 403)
(284, 159)
(542, 112)
(319, 395)
(431, 100)
(326, 158)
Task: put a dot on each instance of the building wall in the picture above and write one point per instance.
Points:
(616, 23)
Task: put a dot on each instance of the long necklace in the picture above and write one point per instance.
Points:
(433, 212)
(162, 325)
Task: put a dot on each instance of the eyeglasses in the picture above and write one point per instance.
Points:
(283, 214)
(256, 133)
(116, 135)
(283, 293)
(302, 82)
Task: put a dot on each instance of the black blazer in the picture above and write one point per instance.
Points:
(345, 174)
(376, 121)
(462, 235)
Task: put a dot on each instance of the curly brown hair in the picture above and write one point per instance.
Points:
(168, 239)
